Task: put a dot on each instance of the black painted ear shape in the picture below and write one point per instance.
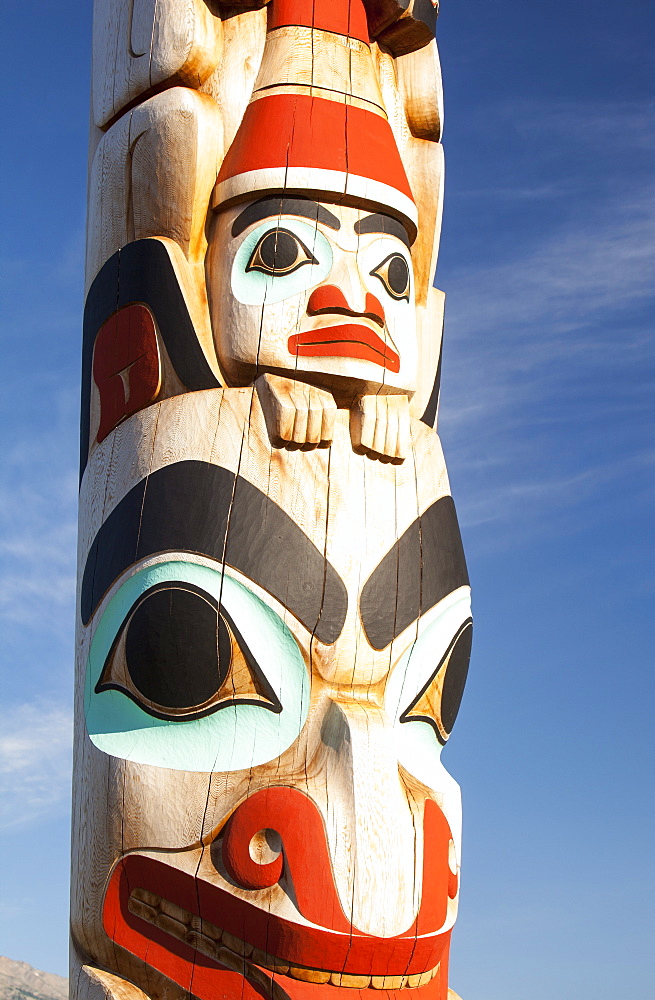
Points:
(142, 272)
(438, 701)
(179, 656)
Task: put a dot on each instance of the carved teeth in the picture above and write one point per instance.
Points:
(388, 982)
(236, 945)
(236, 954)
(174, 911)
(354, 982)
(309, 975)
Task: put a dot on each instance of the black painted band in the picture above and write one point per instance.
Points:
(198, 507)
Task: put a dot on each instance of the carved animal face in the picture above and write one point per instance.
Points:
(322, 292)
(266, 699)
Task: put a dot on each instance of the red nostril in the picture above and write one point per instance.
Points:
(282, 819)
(327, 298)
(374, 308)
(330, 299)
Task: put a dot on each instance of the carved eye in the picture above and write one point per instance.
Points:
(179, 656)
(438, 701)
(393, 272)
(279, 252)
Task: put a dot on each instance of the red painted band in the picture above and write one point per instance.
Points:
(350, 340)
(296, 130)
(344, 17)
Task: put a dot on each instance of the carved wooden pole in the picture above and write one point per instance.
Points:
(273, 611)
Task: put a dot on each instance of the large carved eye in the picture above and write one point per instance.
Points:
(179, 656)
(393, 272)
(439, 700)
(279, 252)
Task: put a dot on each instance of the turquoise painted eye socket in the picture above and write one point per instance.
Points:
(188, 669)
(280, 259)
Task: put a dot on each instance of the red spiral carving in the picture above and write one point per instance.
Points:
(304, 857)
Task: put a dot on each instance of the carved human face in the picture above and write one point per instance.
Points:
(322, 292)
(272, 649)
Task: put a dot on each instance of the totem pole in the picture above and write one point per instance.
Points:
(273, 608)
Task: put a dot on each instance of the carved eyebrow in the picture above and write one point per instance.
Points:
(425, 564)
(198, 507)
(267, 208)
(380, 223)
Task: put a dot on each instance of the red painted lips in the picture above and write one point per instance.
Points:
(348, 340)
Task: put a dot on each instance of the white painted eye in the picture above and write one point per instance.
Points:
(279, 259)
(418, 745)
(438, 630)
(389, 262)
(393, 272)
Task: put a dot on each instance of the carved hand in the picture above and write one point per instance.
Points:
(380, 427)
(296, 413)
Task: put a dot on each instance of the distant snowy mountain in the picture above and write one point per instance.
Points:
(19, 981)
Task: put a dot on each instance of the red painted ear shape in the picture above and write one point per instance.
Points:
(126, 366)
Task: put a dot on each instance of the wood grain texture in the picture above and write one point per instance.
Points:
(420, 84)
(152, 175)
(273, 618)
(320, 60)
(231, 83)
(139, 45)
(413, 28)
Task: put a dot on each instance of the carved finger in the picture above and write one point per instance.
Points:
(367, 408)
(314, 418)
(404, 430)
(279, 411)
(391, 437)
(328, 416)
(300, 420)
(381, 417)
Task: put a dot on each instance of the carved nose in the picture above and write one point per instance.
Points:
(330, 299)
(286, 823)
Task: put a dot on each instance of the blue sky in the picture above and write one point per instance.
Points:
(547, 421)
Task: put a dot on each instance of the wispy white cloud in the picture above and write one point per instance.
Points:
(38, 493)
(625, 123)
(528, 333)
(35, 762)
(37, 559)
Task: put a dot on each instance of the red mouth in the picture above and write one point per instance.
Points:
(193, 910)
(349, 340)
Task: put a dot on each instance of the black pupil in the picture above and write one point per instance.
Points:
(177, 648)
(278, 250)
(455, 679)
(398, 274)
